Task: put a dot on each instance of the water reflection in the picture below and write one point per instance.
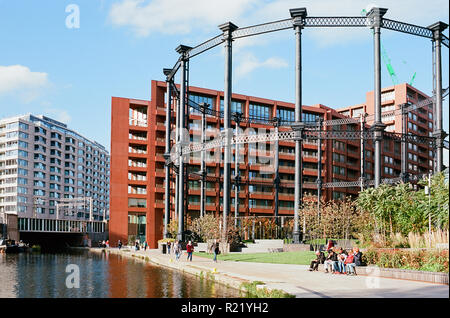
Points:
(33, 275)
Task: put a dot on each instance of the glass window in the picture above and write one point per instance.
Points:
(195, 99)
(309, 117)
(259, 111)
(137, 203)
(286, 115)
(236, 107)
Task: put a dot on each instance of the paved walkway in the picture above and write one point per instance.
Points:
(296, 279)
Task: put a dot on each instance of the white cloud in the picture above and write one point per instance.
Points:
(176, 16)
(21, 81)
(409, 11)
(249, 63)
(58, 114)
(181, 17)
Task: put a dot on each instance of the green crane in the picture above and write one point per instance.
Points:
(387, 62)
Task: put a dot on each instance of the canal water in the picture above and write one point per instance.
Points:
(101, 275)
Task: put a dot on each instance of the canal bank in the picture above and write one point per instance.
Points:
(197, 268)
(292, 279)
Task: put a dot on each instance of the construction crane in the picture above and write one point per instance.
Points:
(387, 62)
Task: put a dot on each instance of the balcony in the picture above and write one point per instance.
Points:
(138, 122)
(138, 149)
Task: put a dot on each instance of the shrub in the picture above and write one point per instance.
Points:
(435, 261)
(166, 240)
(251, 291)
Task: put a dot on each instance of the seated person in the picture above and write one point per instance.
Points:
(342, 255)
(328, 264)
(358, 257)
(320, 259)
(335, 260)
(350, 264)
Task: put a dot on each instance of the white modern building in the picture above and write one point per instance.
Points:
(49, 172)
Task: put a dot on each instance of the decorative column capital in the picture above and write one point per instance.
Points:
(228, 28)
(378, 129)
(183, 49)
(167, 72)
(276, 122)
(375, 16)
(204, 107)
(237, 116)
(298, 15)
(437, 29)
(440, 136)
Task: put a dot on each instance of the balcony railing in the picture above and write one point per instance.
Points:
(137, 164)
(138, 151)
(138, 122)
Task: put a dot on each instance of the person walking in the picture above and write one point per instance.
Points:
(119, 244)
(216, 250)
(177, 250)
(189, 250)
(169, 245)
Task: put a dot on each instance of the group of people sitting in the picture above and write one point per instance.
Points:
(338, 261)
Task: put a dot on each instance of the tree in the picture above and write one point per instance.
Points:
(401, 209)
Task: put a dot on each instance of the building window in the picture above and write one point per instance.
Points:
(309, 117)
(236, 107)
(137, 203)
(286, 115)
(259, 111)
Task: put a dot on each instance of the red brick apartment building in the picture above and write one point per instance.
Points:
(138, 145)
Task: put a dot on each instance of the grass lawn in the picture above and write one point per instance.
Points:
(298, 258)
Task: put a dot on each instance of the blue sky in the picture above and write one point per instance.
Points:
(70, 74)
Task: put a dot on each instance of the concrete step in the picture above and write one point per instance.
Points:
(270, 242)
(263, 246)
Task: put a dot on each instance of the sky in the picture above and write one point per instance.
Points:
(66, 59)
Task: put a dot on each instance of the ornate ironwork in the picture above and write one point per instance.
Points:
(342, 184)
(205, 46)
(444, 40)
(431, 141)
(174, 69)
(335, 22)
(262, 28)
(349, 135)
(406, 28)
